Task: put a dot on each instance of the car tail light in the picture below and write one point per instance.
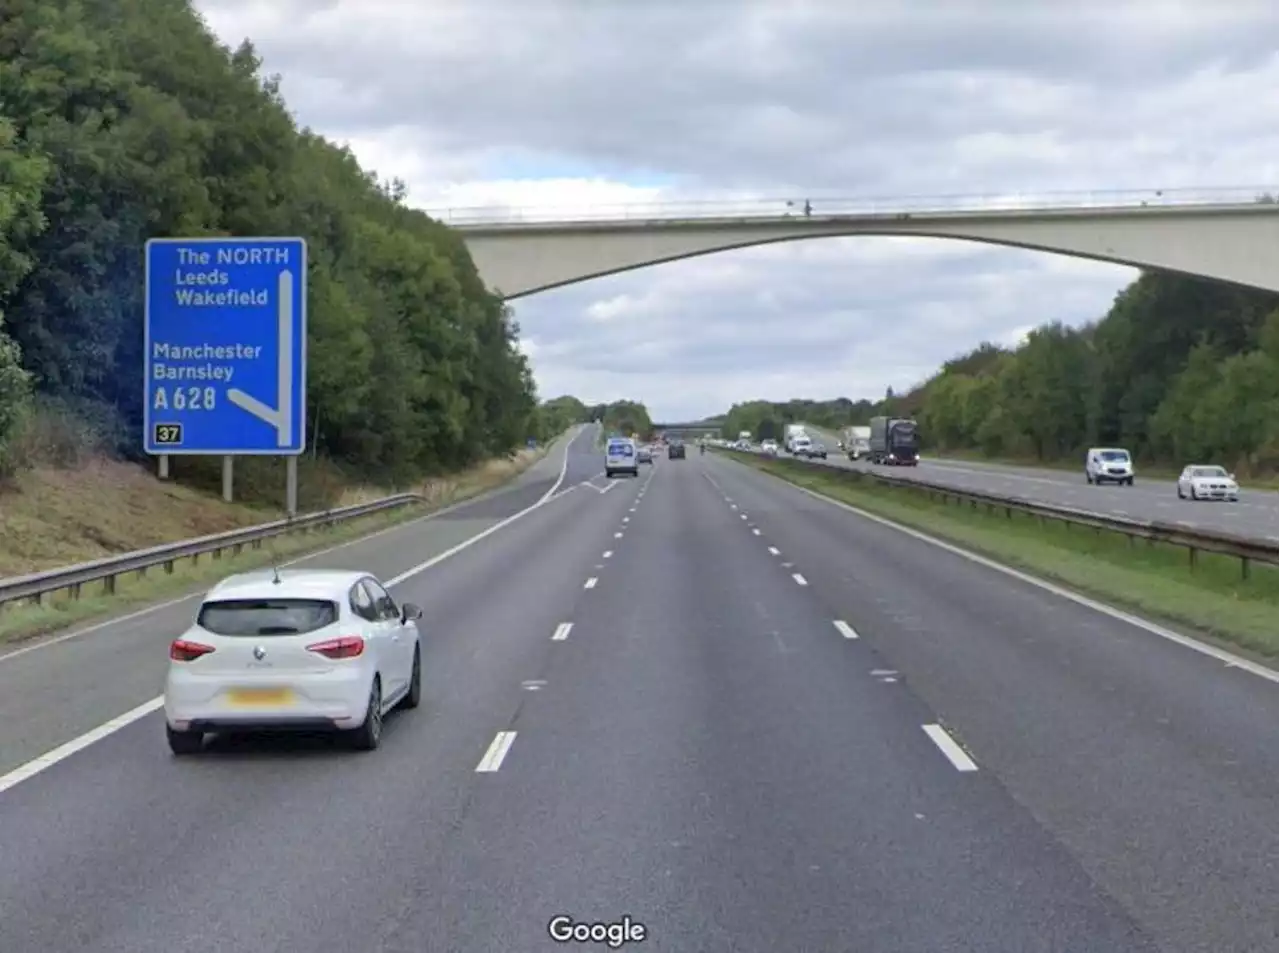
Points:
(183, 651)
(347, 646)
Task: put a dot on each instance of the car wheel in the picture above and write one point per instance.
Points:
(1181, 496)
(369, 735)
(1129, 482)
(414, 697)
(1087, 478)
(184, 742)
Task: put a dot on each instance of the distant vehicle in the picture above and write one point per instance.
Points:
(675, 450)
(769, 448)
(894, 441)
(1203, 482)
(811, 449)
(300, 649)
(791, 434)
(744, 436)
(644, 454)
(620, 456)
(798, 446)
(1108, 465)
(857, 442)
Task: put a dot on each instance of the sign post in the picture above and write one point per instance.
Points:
(226, 350)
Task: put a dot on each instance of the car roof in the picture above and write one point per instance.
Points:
(294, 584)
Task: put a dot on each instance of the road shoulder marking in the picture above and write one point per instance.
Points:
(562, 632)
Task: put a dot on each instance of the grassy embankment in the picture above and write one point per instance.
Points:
(57, 516)
(1156, 580)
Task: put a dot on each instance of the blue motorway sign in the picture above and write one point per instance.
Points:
(226, 346)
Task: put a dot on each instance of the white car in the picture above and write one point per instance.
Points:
(1201, 482)
(297, 649)
(769, 447)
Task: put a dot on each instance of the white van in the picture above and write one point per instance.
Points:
(1108, 465)
(620, 457)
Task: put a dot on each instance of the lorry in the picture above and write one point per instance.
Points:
(856, 442)
(790, 434)
(894, 441)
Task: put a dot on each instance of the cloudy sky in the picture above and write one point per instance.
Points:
(578, 104)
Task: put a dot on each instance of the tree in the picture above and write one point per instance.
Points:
(126, 120)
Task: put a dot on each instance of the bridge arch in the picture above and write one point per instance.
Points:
(1237, 242)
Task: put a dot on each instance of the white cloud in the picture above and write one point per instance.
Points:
(582, 107)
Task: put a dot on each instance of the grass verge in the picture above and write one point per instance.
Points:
(22, 621)
(1153, 579)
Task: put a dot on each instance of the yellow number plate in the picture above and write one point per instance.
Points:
(259, 696)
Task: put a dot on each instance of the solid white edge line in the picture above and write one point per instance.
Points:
(590, 583)
(800, 580)
(496, 752)
(40, 763)
(844, 628)
(562, 632)
(177, 601)
(47, 760)
(1230, 659)
(947, 745)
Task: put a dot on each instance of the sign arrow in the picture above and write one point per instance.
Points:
(280, 416)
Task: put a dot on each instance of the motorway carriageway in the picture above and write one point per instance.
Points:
(1256, 516)
(749, 719)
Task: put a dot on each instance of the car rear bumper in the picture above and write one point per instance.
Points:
(335, 700)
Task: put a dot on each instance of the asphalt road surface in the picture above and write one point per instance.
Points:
(1256, 516)
(746, 719)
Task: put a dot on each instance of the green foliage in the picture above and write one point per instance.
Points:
(765, 419)
(1177, 371)
(558, 415)
(625, 417)
(1180, 370)
(126, 120)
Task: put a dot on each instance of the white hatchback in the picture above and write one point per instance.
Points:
(293, 649)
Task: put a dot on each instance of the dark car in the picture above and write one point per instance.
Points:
(675, 450)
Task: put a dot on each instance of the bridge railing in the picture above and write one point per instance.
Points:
(828, 206)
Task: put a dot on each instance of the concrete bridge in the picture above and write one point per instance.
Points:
(694, 429)
(1226, 234)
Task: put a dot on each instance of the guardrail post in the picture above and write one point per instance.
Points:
(163, 463)
(1244, 567)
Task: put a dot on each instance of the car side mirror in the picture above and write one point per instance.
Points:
(1231, 476)
(409, 612)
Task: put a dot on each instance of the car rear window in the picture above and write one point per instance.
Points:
(619, 449)
(257, 617)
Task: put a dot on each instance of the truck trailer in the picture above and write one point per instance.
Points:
(857, 442)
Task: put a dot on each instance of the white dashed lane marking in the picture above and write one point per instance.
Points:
(498, 749)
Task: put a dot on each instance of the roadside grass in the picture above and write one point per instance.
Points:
(1144, 471)
(1153, 579)
(23, 621)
